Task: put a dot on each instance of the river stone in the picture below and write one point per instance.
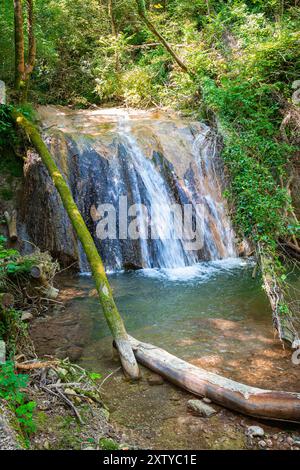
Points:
(26, 316)
(255, 431)
(262, 444)
(201, 408)
(2, 352)
(206, 400)
(155, 379)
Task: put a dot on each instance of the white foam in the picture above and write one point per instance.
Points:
(199, 271)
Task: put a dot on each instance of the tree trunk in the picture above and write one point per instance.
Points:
(22, 70)
(31, 38)
(104, 291)
(143, 14)
(11, 221)
(114, 32)
(50, 292)
(29, 66)
(19, 45)
(252, 401)
(282, 316)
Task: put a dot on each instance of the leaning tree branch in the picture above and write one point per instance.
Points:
(103, 288)
(143, 15)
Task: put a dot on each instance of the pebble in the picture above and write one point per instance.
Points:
(201, 408)
(290, 440)
(255, 431)
(69, 391)
(262, 444)
(206, 400)
(26, 316)
(46, 445)
(155, 379)
(269, 443)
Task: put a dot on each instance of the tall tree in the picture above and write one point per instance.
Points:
(114, 31)
(23, 67)
(19, 44)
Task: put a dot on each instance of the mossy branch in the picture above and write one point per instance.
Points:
(104, 291)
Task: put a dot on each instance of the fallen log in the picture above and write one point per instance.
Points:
(251, 401)
(49, 291)
(36, 365)
(11, 221)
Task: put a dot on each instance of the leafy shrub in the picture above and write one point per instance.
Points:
(138, 88)
(11, 385)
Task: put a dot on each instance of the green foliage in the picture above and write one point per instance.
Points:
(9, 162)
(108, 444)
(256, 157)
(11, 262)
(11, 390)
(12, 329)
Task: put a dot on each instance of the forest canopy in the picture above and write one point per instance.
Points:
(101, 51)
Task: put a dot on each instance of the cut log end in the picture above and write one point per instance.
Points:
(36, 272)
(11, 220)
(127, 358)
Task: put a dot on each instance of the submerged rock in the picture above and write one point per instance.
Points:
(201, 408)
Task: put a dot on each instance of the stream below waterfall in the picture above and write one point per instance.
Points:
(212, 314)
(126, 169)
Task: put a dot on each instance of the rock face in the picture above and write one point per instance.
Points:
(201, 408)
(8, 438)
(122, 159)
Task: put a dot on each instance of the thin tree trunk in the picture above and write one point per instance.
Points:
(114, 31)
(11, 220)
(31, 38)
(23, 70)
(104, 291)
(282, 316)
(143, 14)
(252, 401)
(19, 45)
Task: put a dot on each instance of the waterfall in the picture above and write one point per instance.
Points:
(161, 175)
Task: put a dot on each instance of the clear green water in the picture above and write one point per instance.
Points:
(168, 308)
(212, 314)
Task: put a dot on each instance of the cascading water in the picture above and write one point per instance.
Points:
(165, 250)
(140, 163)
